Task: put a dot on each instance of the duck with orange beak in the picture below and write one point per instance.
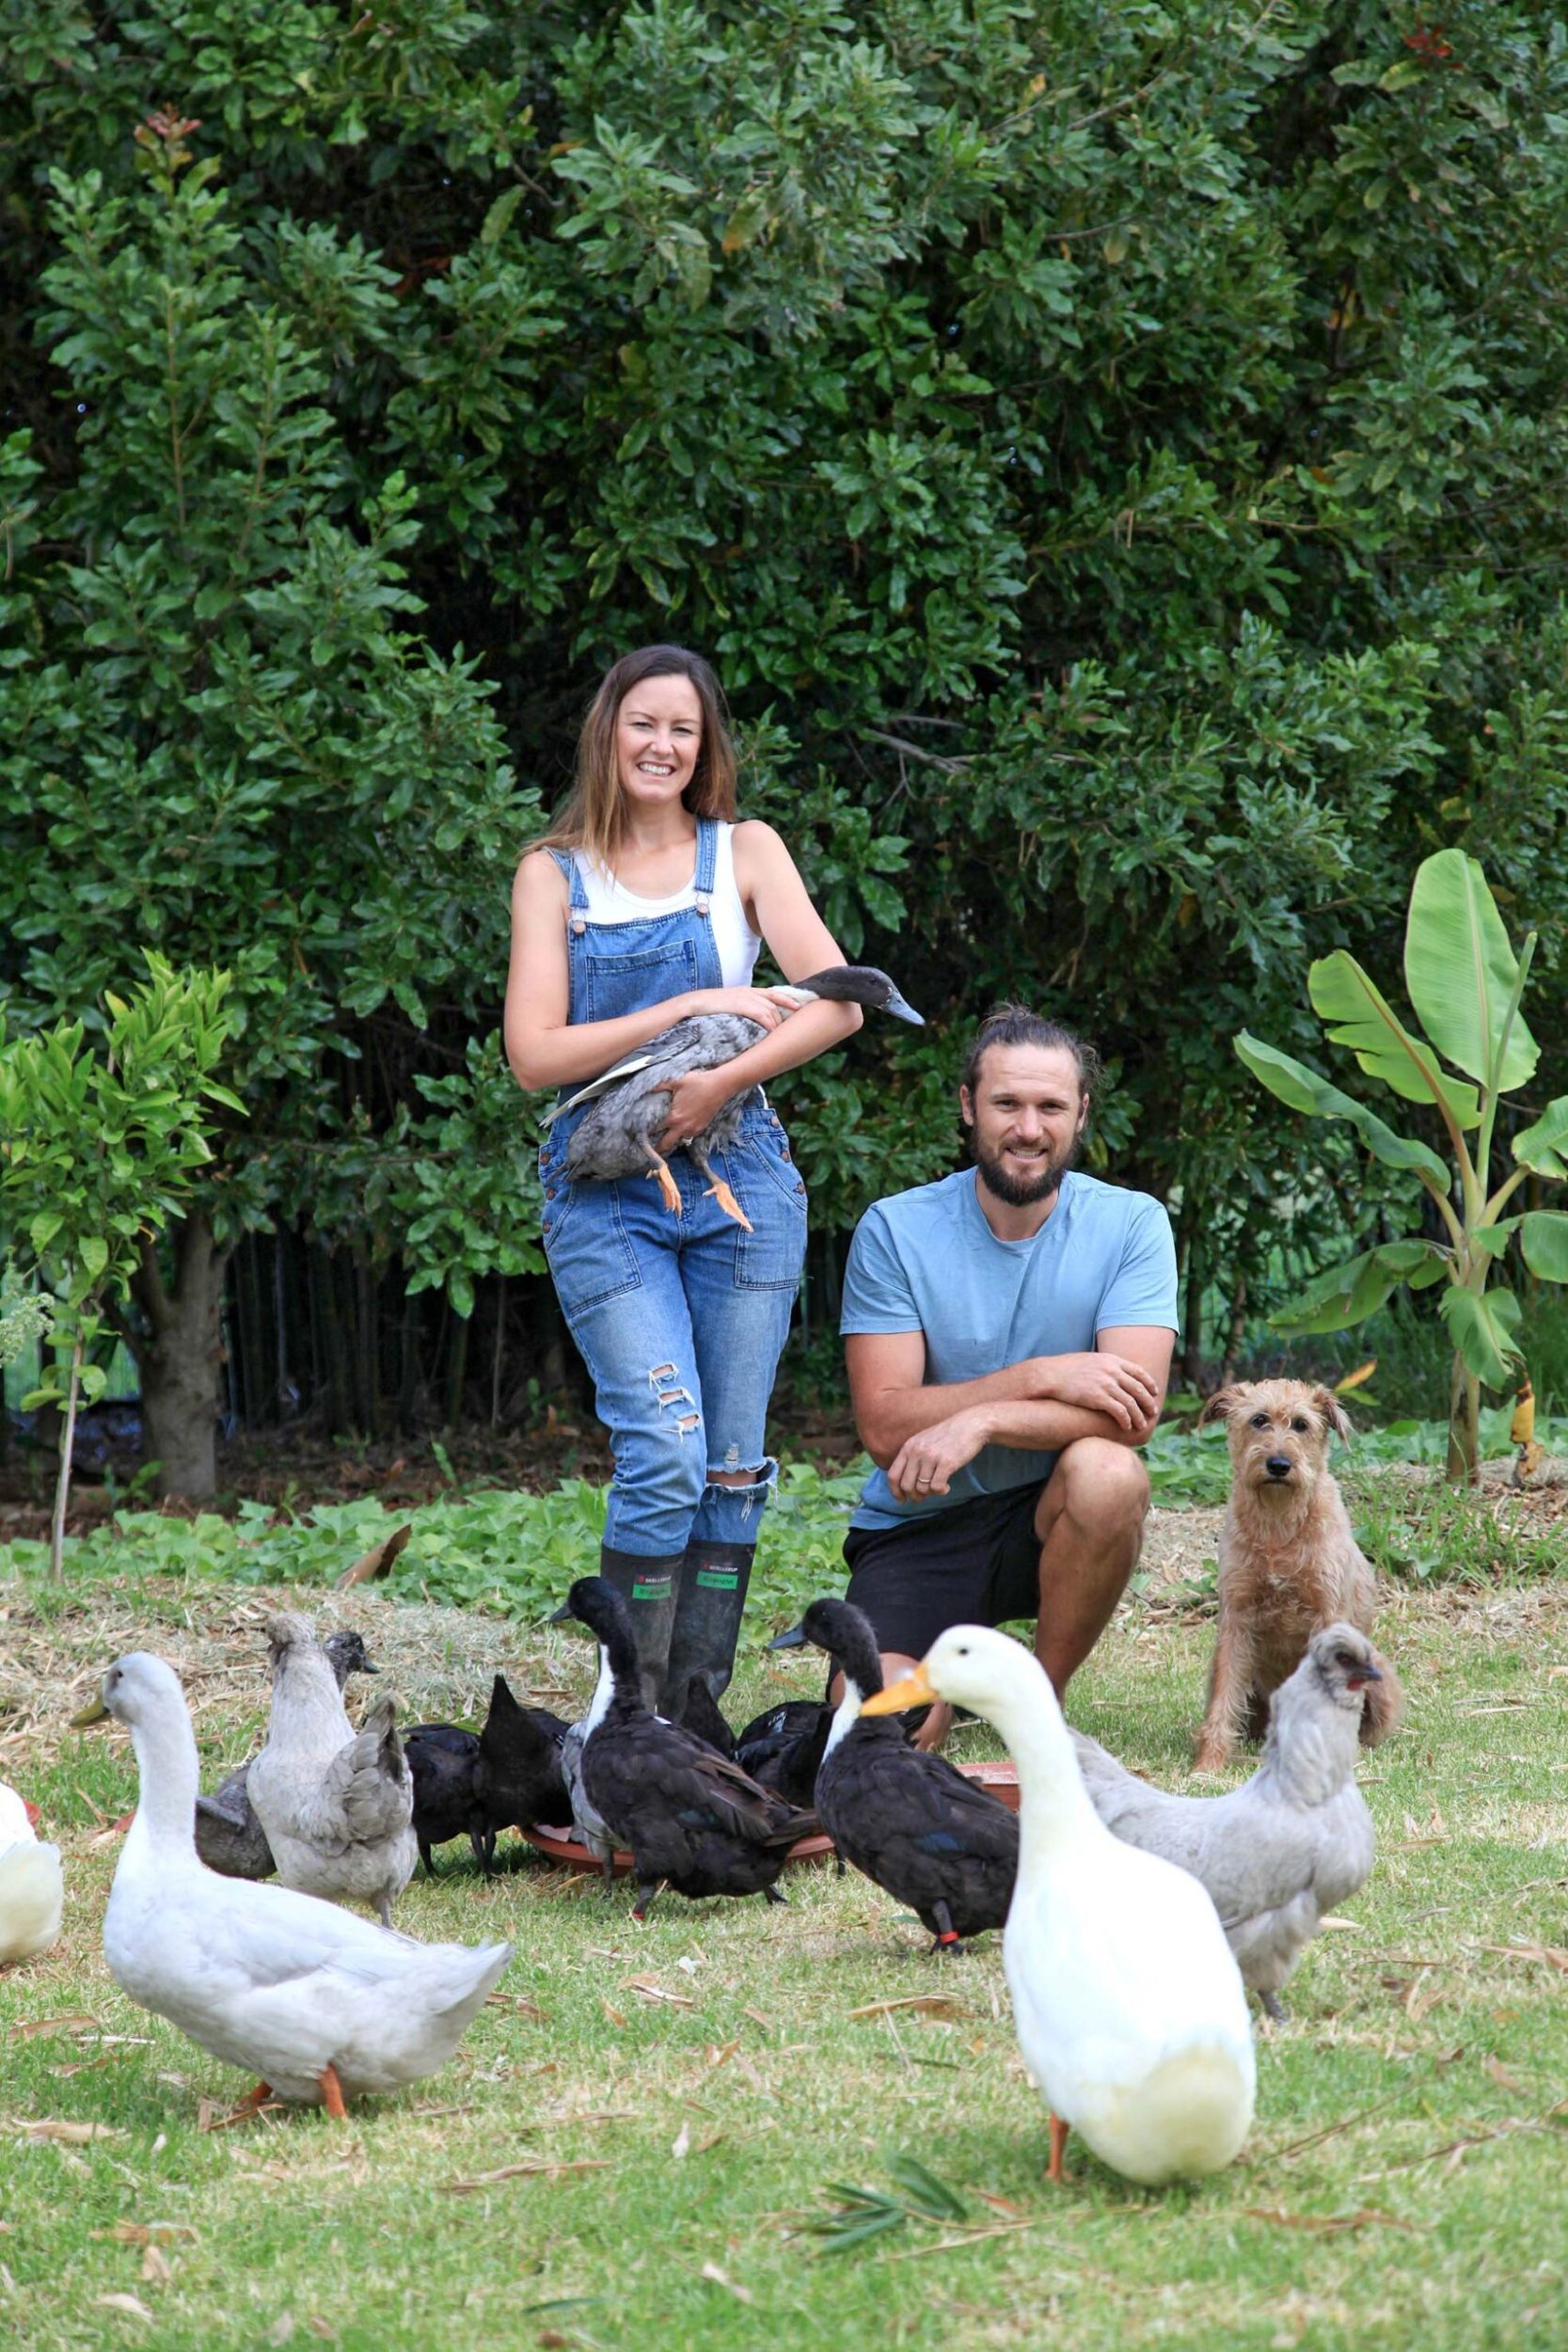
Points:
(1129, 2006)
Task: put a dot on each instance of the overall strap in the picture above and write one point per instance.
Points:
(577, 889)
(707, 863)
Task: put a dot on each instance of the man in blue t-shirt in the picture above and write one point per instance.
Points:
(1008, 1333)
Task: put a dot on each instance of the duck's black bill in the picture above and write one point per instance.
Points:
(794, 1637)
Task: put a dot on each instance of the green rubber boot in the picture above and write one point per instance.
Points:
(711, 1603)
(649, 1588)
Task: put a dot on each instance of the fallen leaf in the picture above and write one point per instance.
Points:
(648, 1990)
(731, 2286)
(1501, 2075)
(613, 2014)
(1553, 1956)
(917, 2005)
(149, 2233)
(123, 2303)
(1345, 1927)
(758, 2019)
(680, 2145)
(378, 1560)
(1326, 2224)
(155, 2266)
(318, 2326)
(517, 2172)
(999, 2204)
(76, 2020)
(74, 2135)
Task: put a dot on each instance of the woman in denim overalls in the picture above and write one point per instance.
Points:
(642, 906)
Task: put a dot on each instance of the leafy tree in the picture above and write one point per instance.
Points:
(98, 1151)
(1466, 986)
(1116, 458)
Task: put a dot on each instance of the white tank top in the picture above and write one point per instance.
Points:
(609, 901)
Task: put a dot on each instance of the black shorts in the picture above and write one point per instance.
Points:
(978, 1563)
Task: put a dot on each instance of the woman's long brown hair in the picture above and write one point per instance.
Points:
(593, 817)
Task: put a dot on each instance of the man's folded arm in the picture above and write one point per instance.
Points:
(1037, 1405)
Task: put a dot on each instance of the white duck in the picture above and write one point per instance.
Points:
(317, 2003)
(32, 1892)
(1129, 2007)
(337, 1808)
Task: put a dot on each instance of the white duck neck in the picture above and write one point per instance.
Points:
(1054, 1810)
(846, 1715)
(604, 1690)
(170, 1781)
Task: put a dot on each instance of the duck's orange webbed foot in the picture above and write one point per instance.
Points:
(720, 1192)
(332, 2094)
(667, 1184)
(1057, 2171)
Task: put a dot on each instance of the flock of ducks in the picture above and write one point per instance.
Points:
(1133, 1921)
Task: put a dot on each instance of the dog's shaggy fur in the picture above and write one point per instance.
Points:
(1289, 1562)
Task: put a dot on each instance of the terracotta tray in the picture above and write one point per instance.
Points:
(561, 1845)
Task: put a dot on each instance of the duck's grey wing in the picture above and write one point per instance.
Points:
(657, 1050)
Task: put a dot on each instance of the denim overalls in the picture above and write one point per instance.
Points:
(680, 1320)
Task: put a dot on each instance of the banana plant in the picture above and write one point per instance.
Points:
(1466, 986)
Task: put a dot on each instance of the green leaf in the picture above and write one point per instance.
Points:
(42, 1231)
(1544, 1239)
(1304, 1090)
(932, 2196)
(460, 1290)
(95, 1256)
(1543, 1147)
(1462, 972)
(1482, 1331)
(1362, 1020)
(1345, 1294)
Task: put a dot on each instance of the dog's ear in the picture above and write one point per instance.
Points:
(1219, 1407)
(1334, 1412)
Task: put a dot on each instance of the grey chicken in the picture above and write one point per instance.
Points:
(630, 1103)
(229, 1837)
(1281, 1851)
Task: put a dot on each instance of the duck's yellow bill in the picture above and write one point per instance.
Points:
(912, 1691)
(94, 1712)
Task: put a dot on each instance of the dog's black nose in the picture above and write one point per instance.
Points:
(1279, 1466)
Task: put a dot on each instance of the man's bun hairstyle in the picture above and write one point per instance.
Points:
(1015, 1025)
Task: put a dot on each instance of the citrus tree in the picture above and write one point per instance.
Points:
(1466, 985)
(101, 1142)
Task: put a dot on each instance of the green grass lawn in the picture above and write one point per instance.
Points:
(669, 2106)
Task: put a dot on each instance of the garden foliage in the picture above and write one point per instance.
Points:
(1115, 458)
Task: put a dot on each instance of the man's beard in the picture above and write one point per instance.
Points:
(1020, 1192)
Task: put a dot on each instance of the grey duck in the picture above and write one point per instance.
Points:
(630, 1103)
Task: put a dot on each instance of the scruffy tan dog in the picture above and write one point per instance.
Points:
(1288, 1562)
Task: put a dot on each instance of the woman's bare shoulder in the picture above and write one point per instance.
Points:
(758, 849)
(539, 879)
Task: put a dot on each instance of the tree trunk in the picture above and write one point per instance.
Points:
(178, 1356)
(1464, 1462)
(62, 1484)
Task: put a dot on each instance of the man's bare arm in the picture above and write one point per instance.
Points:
(920, 1433)
(1114, 1392)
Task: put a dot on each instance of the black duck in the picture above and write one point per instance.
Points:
(690, 1818)
(518, 1778)
(907, 1820)
(619, 1137)
(444, 1761)
(229, 1837)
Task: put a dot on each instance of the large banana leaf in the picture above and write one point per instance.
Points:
(1543, 1147)
(1544, 1239)
(1482, 1331)
(1461, 973)
(1362, 1018)
(1304, 1090)
(1349, 1292)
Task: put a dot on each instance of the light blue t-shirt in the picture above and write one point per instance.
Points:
(926, 1261)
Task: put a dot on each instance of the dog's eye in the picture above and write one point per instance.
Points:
(1299, 1426)
(1260, 1421)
